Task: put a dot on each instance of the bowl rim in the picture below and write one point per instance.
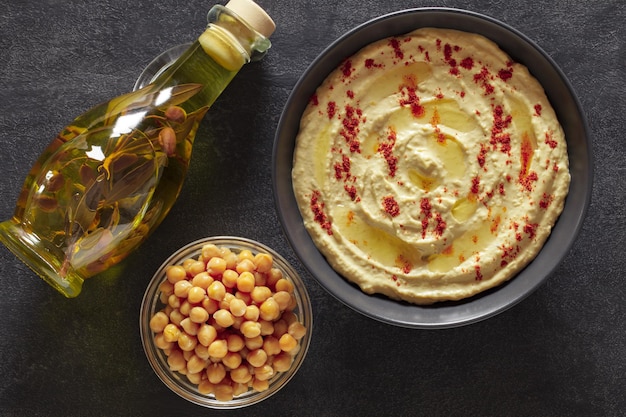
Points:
(491, 302)
(177, 382)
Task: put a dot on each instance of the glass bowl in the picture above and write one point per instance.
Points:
(178, 382)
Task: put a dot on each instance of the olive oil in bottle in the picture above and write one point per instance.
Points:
(112, 175)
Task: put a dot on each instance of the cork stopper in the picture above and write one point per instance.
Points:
(253, 15)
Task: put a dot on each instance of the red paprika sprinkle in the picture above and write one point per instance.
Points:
(395, 44)
(531, 229)
(481, 157)
(482, 78)
(410, 97)
(346, 68)
(498, 135)
(546, 200)
(505, 74)
(350, 94)
(319, 216)
(475, 185)
(386, 150)
(351, 190)
(550, 140)
(314, 100)
(537, 109)
(479, 275)
(467, 63)
(331, 108)
(391, 206)
(350, 129)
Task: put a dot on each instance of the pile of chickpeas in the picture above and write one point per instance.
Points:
(228, 322)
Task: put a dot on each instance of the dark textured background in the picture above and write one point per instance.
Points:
(561, 352)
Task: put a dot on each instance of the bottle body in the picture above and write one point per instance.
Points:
(111, 176)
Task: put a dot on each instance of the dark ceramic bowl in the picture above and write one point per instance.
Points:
(487, 304)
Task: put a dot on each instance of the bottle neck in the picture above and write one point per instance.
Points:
(214, 58)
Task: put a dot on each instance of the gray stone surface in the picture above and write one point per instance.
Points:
(558, 353)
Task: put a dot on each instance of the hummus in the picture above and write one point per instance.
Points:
(430, 167)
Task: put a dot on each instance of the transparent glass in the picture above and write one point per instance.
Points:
(111, 176)
(177, 382)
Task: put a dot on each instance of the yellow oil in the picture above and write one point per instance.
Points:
(108, 179)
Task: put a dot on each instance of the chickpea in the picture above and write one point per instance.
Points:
(260, 280)
(194, 378)
(229, 278)
(206, 334)
(218, 349)
(216, 372)
(196, 294)
(245, 254)
(296, 330)
(269, 310)
(263, 262)
(181, 288)
(189, 326)
(260, 385)
(171, 332)
(237, 307)
(243, 296)
(283, 298)
(223, 392)
(173, 301)
(257, 357)
(235, 342)
(250, 329)
(210, 305)
(176, 361)
(260, 294)
(225, 303)
(282, 362)
(252, 313)
(239, 388)
(202, 280)
(216, 266)
(175, 273)
(287, 342)
(231, 260)
(187, 264)
(284, 285)
(209, 251)
(271, 346)
(273, 275)
(232, 360)
(185, 308)
(267, 327)
(166, 288)
(280, 327)
(245, 282)
(161, 343)
(216, 291)
(253, 343)
(241, 374)
(245, 265)
(198, 315)
(206, 387)
(187, 342)
(263, 373)
(223, 318)
(195, 268)
(195, 364)
(202, 351)
(159, 321)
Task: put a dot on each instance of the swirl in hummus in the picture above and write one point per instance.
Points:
(430, 167)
